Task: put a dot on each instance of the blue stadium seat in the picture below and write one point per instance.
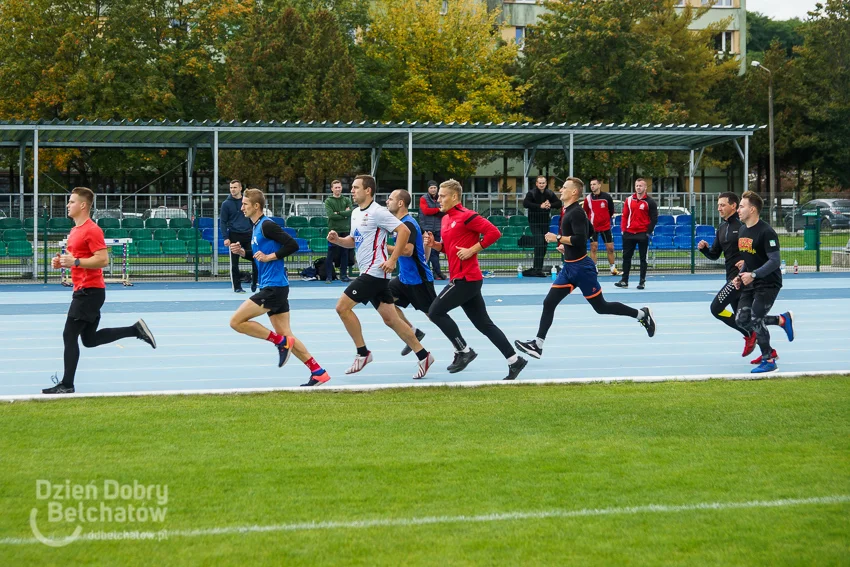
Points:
(662, 243)
(666, 219)
(280, 221)
(207, 234)
(664, 230)
(290, 231)
(303, 245)
(618, 242)
(683, 220)
(683, 231)
(616, 230)
(705, 231)
(684, 242)
(203, 222)
(222, 249)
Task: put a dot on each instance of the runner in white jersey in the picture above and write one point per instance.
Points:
(370, 227)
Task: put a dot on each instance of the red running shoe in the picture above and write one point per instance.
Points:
(773, 355)
(750, 345)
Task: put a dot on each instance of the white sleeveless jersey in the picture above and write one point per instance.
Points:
(370, 228)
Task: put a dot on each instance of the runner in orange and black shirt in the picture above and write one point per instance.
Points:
(578, 271)
(86, 257)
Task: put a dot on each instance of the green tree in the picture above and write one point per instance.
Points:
(438, 67)
(762, 31)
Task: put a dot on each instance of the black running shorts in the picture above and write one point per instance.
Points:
(273, 298)
(86, 304)
(369, 289)
(420, 296)
(603, 236)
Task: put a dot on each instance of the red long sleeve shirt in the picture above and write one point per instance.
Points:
(425, 209)
(463, 228)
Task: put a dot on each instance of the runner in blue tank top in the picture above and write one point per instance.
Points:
(271, 245)
(415, 283)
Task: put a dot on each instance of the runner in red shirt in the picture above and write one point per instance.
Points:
(465, 234)
(86, 257)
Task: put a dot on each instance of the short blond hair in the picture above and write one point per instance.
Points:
(255, 196)
(452, 185)
(578, 183)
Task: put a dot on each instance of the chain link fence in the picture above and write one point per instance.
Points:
(166, 238)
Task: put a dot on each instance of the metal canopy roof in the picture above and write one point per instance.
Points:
(367, 135)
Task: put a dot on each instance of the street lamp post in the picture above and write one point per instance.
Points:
(773, 218)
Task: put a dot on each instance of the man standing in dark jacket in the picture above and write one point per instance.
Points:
(640, 213)
(430, 219)
(236, 227)
(541, 202)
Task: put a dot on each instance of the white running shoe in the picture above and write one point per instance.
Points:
(359, 363)
(424, 366)
(615, 271)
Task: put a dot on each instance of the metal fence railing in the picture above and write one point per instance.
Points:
(179, 248)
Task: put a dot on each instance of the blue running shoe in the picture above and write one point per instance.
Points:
(789, 325)
(285, 350)
(767, 365)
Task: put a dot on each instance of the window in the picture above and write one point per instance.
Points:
(520, 36)
(723, 42)
(445, 9)
(719, 3)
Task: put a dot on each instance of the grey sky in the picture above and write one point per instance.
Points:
(782, 9)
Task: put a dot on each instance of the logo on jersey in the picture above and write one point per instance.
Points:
(358, 238)
(254, 241)
(603, 204)
(642, 206)
(746, 245)
(453, 224)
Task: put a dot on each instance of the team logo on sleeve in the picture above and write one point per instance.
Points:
(773, 243)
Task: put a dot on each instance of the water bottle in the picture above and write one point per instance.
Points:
(554, 272)
(782, 267)
(519, 271)
(796, 267)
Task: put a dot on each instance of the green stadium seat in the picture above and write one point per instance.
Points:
(498, 220)
(319, 222)
(8, 223)
(118, 250)
(2, 248)
(140, 234)
(297, 222)
(132, 222)
(179, 223)
(156, 223)
(189, 234)
(174, 247)
(108, 222)
(19, 249)
(319, 245)
(310, 232)
(204, 248)
(28, 225)
(164, 234)
(15, 235)
(59, 226)
(512, 231)
(116, 233)
(149, 248)
(518, 220)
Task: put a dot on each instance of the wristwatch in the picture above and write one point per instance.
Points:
(77, 262)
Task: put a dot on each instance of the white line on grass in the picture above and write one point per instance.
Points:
(467, 384)
(464, 519)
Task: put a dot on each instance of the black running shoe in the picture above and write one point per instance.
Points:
(641, 285)
(461, 361)
(144, 333)
(621, 283)
(530, 348)
(59, 388)
(515, 368)
(284, 349)
(407, 350)
(648, 321)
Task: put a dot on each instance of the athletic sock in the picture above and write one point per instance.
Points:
(512, 359)
(641, 314)
(312, 365)
(612, 266)
(464, 349)
(362, 351)
(422, 354)
(276, 339)
(539, 342)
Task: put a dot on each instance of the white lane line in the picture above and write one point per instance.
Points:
(389, 386)
(415, 521)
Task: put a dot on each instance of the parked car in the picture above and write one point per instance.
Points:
(306, 208)
(503, 211)
(618, 206)
(165, 213)
(673, 211)
(107, 214)
(835, 213)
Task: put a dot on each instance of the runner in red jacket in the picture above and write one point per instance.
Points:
(465, 234)
(640, 213)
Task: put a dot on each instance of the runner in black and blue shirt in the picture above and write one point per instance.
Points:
(271, 245)
(415, 284)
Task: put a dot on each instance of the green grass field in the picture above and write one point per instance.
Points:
(392, 457)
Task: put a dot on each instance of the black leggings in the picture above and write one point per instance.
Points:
(728, 295)
(467, 296)
(752, 316)
(630, 241)
(87, 331)
(557, 294)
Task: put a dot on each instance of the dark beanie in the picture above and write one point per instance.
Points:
(432, 183)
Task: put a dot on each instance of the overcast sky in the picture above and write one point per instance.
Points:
(782, 9)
